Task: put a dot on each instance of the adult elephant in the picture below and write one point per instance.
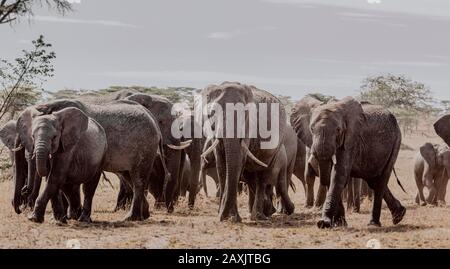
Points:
(173, 153)
(69, 150)
(235, 150)
(27, 184)
(161, 109)
(431, 170)
(365, 141)
(133, 139)
(300, 120)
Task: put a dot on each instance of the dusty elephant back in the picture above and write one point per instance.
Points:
(378, 143)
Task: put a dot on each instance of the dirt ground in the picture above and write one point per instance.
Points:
(422, 227)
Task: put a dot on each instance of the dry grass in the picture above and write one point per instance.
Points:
(422, 227)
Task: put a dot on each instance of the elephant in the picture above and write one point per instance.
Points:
(133, 139)
(161, 109)
(300, 120)
(174, 147)
(430, 170)
(70, 149)
(8, 136)
(352, 193)
(237, 150)
(363, 141)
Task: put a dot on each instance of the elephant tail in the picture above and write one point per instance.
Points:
(292, 185)
(398, 182)
(107, 180)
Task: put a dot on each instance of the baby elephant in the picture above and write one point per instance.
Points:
(69, 149)
(430, 170)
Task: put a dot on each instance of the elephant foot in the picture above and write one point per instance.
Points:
(85, 218)
(258, 217)
(374, 223)
(441, 203)
(235, 218)
(36, 217)
(417, 200)
(327, 222)
(74, 214)
(423, 204)
(133, 217)
(170, 209)
(288, 209)
(159, 205)
(324, 223)
(398, 215)
(269, 209)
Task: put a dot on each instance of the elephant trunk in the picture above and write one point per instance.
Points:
(173, 159)
(20, 174)
(233, 164)
(42, 156)
(325, 167)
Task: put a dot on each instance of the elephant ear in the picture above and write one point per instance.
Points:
(24, 127)
(73, 124)
(442, 128)
(8, 134)
(429, 154)
(353, 117)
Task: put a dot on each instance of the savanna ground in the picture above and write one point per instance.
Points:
(422, 227)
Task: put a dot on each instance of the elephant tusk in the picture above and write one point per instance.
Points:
(178, 147)
(17, 149)
(334, 160)
(187, 142)
(250, 154)
(210, 149)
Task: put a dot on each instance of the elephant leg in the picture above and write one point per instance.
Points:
(59, 212)
(397, 210)
(258, 205)
(310, 177)
(269, 209)
(350, 193)
(321, 196)
(287, 207)
(420, 199)
(356, 195)
(125, 195)
(89, 191)
(73, 195)
(139, 206)
(35, 191)
(442, 191)
(377, 202)
(251, 182)
(431, 186)
(193, 189)
(50, 192)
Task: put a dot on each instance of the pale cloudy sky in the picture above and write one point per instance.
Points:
(290, 47)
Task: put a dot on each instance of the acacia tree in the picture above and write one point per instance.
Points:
(11, 10)
(406, 98)
(21, 79)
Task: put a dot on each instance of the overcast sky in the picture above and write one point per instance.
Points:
(289, 47)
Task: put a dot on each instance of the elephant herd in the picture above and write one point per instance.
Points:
(350, 146)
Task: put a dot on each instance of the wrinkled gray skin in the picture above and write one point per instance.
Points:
(161, 109)
(365, 141)
(430, 170)
(70, 149)
(300, 120)
(126, 123)
(22, 185)
(27, 182)
(208, 168)
(232, 160)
